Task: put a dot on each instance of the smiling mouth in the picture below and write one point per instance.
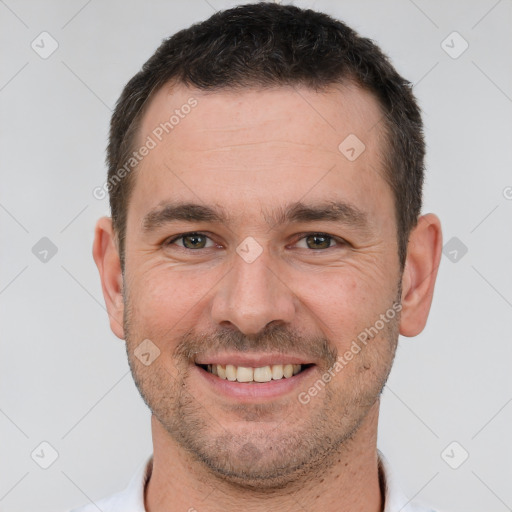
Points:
(254, 375)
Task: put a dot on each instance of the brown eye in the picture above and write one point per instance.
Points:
(192, 241)
(318, 241)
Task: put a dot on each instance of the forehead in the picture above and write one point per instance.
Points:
(322, 118)
(259, 145)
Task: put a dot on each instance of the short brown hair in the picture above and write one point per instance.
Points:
(268, 45)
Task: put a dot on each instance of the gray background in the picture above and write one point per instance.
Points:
(63, 374)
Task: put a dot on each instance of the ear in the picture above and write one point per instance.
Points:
(106, 256)
(420, 272)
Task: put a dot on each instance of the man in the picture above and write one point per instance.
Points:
(265, 251)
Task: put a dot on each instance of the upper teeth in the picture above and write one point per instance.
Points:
(246, 374)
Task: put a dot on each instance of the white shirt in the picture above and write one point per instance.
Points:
(131, 499)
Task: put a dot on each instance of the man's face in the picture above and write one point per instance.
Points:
(300, 258)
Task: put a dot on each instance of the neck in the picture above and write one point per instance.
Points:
(347, 482)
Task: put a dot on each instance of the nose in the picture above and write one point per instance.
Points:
(251, 296)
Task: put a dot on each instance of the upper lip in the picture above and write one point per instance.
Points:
(250, 360)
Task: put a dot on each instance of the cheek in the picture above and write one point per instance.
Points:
(164, 298)
(343, 303)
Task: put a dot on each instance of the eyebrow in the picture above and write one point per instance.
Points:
(188, 212)
(336, 211)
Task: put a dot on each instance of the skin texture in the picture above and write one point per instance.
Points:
(252, 154)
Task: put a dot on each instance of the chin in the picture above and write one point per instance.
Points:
(257, 460)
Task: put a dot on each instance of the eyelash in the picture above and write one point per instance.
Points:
(300, 236)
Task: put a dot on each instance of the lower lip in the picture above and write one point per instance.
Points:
(246, 391)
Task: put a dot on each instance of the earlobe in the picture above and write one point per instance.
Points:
(420, 272)
(106, 257)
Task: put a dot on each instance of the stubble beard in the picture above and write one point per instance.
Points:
(256, 454)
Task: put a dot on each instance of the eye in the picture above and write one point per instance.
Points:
(191, 241)
(317, 241)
